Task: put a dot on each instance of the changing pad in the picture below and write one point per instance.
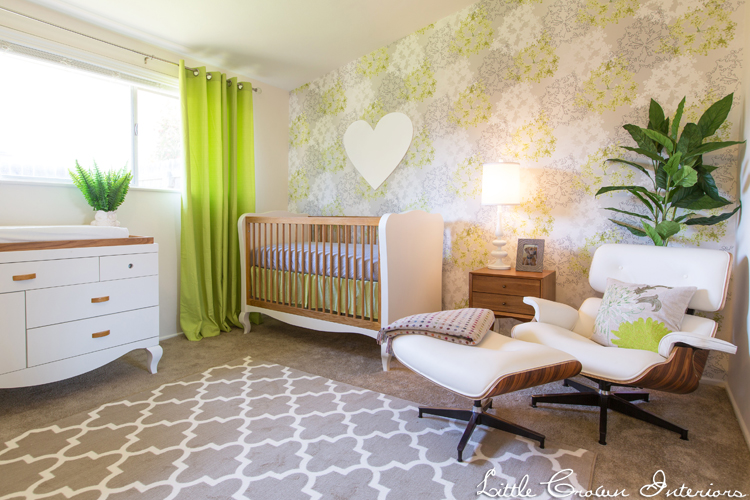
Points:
(16, 234)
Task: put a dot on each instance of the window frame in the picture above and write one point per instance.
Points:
(165, 85)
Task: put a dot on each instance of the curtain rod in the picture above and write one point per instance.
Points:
(146, 57)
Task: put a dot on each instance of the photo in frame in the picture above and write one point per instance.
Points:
(530, 255)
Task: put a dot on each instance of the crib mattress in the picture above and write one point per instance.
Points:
(321, 259)
(16, 234)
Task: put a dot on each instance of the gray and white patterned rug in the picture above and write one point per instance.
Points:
(257, 430)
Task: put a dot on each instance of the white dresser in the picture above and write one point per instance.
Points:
(66, 311)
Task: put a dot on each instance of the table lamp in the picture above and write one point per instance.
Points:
(501, 186)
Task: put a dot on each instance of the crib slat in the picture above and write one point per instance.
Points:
(248, 261)
(309, 266)
(323, 273)
(362, 295)
(372, 282)
(316, 271)
(330, 277)
(282, 265)
(267, 258)
(347, 234)
(338, 263)
(255, 264)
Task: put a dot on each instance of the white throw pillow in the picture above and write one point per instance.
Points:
(638, 316)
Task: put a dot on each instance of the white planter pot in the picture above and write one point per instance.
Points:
(103, 218)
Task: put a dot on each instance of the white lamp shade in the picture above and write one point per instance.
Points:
(501, 184)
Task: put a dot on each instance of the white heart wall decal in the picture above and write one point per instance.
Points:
(376, 153)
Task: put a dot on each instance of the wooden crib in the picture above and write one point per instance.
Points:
(341, 274)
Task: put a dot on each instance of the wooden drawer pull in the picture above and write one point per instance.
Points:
(100, 299)
(24, 277)
(99, 335)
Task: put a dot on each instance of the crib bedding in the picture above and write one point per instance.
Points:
(321, 259)
(311, 291)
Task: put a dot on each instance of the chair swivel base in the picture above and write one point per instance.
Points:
(477, 416)
(607, 400)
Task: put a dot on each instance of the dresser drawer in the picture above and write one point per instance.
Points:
(119, 267)
(501, 303)
(12, 332)
(506, 286)
(69, 303)
(19, 276)
(66, 340)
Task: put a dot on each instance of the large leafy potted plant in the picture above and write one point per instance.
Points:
(105, 192)
(680, 184)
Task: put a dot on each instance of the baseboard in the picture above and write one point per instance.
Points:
(714, 381)
(169, 336)
(743, 427)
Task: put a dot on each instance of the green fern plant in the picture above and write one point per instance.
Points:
(103, 191)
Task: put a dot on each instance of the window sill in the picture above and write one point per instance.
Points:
(52, 183)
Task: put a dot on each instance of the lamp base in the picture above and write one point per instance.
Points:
(499, 254)
(502, 267)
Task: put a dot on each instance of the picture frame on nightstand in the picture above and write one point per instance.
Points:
(530, 255)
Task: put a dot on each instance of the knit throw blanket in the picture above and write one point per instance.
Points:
(461, 326)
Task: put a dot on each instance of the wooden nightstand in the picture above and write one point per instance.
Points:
(503, 291)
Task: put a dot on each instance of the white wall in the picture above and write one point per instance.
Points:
(145, 212)
(739, 364)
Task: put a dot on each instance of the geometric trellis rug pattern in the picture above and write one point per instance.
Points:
(257, 430)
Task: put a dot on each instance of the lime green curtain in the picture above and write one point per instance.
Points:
(219, 186)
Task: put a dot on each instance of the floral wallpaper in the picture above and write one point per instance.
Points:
(547, 83)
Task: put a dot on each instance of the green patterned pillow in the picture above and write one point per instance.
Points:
(638, 316)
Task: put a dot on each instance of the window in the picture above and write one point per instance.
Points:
(52, 116)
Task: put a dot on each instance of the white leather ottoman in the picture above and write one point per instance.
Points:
(495, 366)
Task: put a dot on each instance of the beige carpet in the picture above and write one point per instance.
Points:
(257, 430)
(716, 453)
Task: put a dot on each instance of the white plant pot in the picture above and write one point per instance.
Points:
(103, 218)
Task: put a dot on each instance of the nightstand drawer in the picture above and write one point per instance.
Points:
(506, 286)
(503, 303)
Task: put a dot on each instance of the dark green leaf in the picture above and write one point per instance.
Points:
(645, 202)
(691, 138)
(715, 115)
(655, 116)
(628, 213)
(644, 152)
(661, 177)
(673, 165)
(708, 185)
(608, 189)
(677, 118)
(640, 138)
(694, 193)
(668, 228)
(706, 203)
(660, 138)
(651, 232)
(705, 168)
(710, 221)
(632, 164)
(711, 146)
(630, 228)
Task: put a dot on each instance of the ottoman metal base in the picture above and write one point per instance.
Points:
(477, 416)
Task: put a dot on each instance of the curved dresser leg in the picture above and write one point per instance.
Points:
(154, 356)
(245, 320)
(385, 357)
